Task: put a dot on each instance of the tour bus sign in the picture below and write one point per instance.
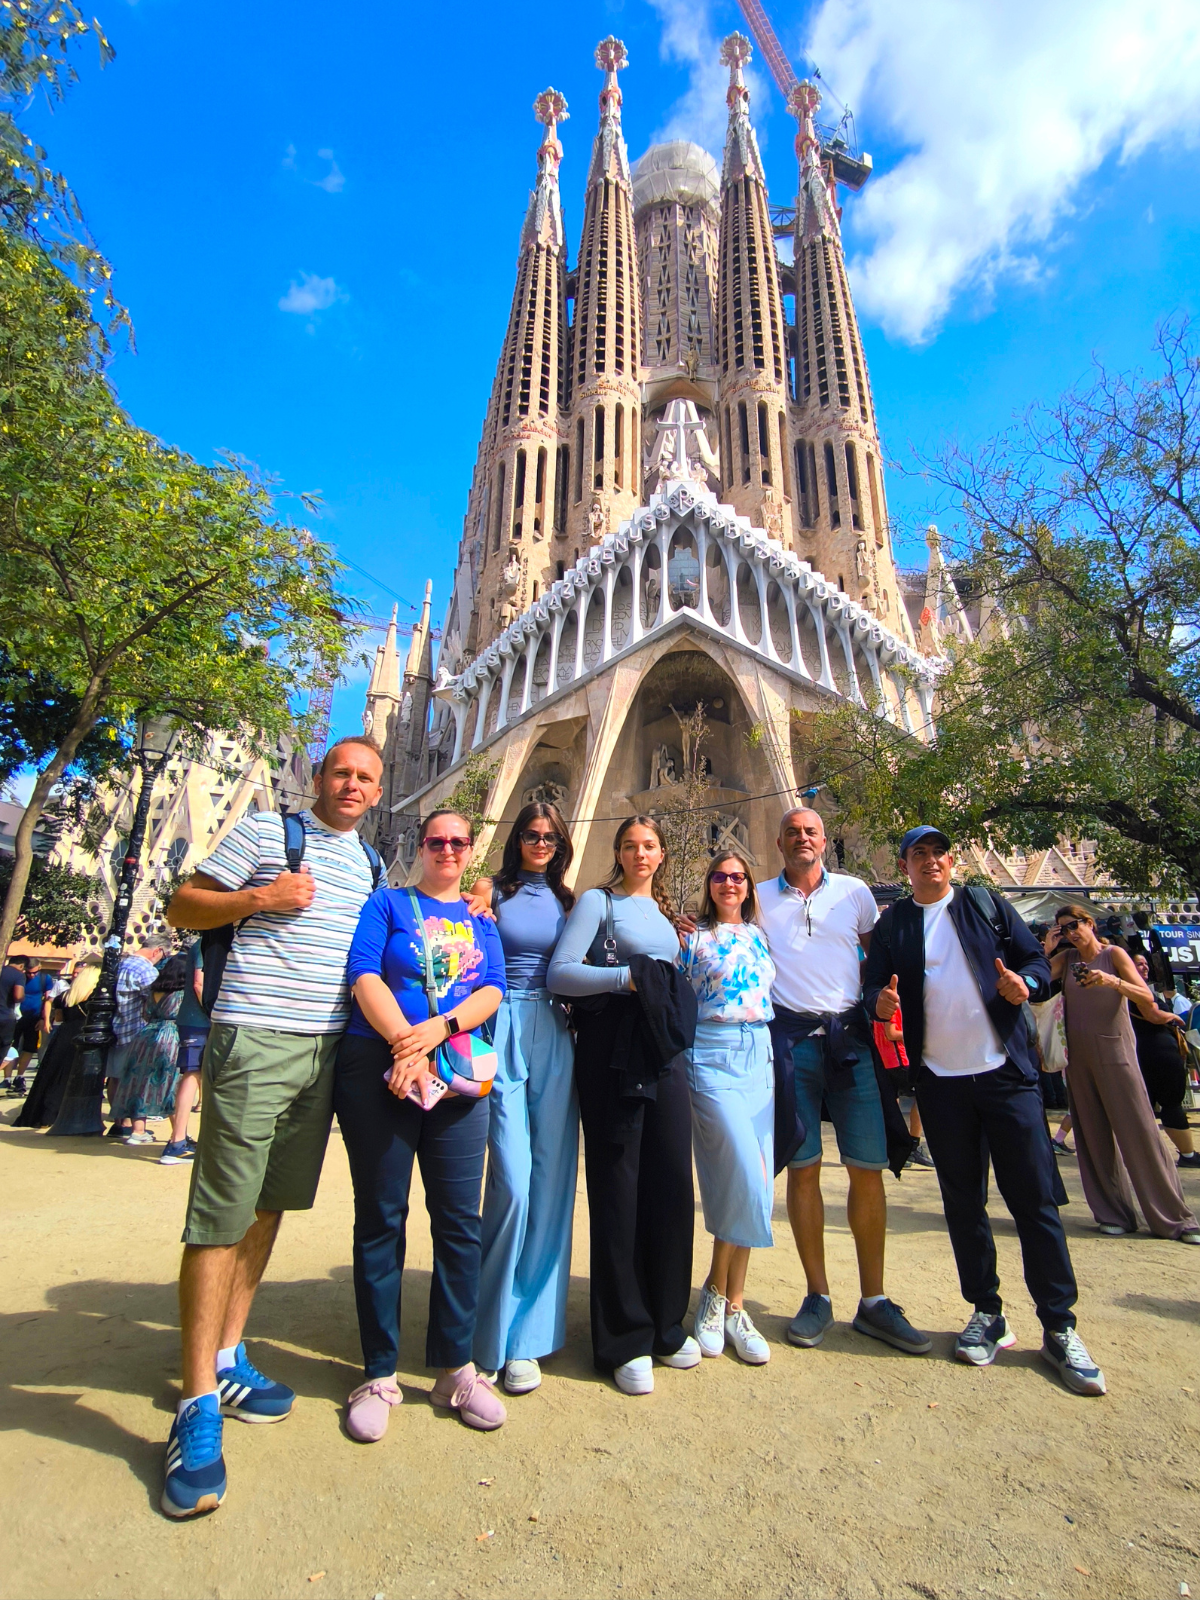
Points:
(1182, 944)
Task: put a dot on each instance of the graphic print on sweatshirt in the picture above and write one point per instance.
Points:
(456, 956)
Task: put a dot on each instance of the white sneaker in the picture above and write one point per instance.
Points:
(636, 1376)
(746, 1339)
(139, 1138)
(709, 1323)
(521, 1377)
(688, 1355)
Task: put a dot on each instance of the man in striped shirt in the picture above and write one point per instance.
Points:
(268, 1088)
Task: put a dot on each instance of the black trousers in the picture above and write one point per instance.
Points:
(998, 1112)
(383, 1135)
(638, 1162)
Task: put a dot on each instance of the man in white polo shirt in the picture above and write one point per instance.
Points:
(816, 923)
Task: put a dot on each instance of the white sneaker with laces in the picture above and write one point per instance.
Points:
(139, 1138)
(688, 1355)
(745, 1338)
(636, 1376)
(521, 1376)
(709, 1322)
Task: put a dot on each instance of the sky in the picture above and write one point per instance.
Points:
(313, 219)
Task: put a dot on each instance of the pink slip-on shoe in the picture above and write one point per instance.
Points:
(470, 1394)
(370, 1408)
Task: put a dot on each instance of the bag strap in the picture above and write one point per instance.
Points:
(431, 995)
(374, 859)
(610, 935)
(293, 840)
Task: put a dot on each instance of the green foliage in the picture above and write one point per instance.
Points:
(35, 715)
(469, 796)
(55, 906)
(1077, 710)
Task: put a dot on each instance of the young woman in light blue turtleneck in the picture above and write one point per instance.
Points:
(533, 1137)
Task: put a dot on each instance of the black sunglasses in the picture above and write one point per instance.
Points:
(531, 836)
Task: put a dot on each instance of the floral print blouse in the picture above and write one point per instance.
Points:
(730, 968)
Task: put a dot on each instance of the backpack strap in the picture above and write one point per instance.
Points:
(431, 994)
(375, 860)
(610, 935)
(984, 901)
(293, 839)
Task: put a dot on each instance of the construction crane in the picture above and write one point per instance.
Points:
(839, 142)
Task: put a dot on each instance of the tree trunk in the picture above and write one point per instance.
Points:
(89, 715)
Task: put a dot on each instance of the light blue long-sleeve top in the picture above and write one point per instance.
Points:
(639, 928)
(531, 922)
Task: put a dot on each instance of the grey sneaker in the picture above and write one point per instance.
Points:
(920, 1156)
(709, 1322)
(807, 1327)
(886, 1320)
(983, 1335)
(1067, 1354)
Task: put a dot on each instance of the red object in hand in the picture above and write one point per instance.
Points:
(889, 1041)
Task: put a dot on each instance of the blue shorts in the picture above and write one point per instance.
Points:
(856, 1112)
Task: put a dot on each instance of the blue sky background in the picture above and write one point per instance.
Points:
(372, 177)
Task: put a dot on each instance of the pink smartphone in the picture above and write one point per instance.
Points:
(428, 1100)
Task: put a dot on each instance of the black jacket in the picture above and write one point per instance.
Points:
(644, 1033)
(898, 947)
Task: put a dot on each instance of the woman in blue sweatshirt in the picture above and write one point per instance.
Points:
(533, 1137)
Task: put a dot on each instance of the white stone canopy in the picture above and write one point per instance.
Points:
(723, 576)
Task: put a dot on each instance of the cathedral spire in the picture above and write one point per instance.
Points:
(543, 220)
(606, 355)
(817, 210)
(752, 342)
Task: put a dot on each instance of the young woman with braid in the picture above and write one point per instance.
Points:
(637, 1135)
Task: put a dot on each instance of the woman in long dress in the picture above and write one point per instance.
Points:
(1116, 1136)
(146, 1090)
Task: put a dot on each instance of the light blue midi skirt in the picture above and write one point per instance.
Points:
(529, 1195)
(732, 1080)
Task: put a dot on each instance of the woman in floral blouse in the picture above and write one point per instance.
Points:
(733, 1099)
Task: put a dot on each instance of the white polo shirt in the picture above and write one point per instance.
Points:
(814, 940)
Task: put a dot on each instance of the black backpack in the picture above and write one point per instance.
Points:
(216, 943)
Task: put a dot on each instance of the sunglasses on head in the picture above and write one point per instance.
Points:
(456, 844)
(532, 837)
(736, 878)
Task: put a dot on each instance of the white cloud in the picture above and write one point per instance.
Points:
(310, 294)
(689, 37)
(1004, 112)
(334, 180)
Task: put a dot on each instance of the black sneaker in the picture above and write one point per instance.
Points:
(920, 1156)
(1062, 1150)
(1067, 1354)
(886, 1320)
(19, 1086)
(983, 1335)
(1192, 1159)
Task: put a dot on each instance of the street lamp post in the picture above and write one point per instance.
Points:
(80, 1112)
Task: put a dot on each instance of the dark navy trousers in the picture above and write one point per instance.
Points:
(383, 1135)
(999, 1113)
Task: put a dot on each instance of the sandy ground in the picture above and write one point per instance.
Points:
(847, 1470)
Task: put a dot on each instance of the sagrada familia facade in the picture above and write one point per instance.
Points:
(678, 498)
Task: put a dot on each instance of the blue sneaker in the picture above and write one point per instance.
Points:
(247, 1395)
(886, 1320)
(1067, 1354)
(195, 1466)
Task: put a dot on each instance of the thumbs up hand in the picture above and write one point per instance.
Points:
(1012, 988)
(888, 1002)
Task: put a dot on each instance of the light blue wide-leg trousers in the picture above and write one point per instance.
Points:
(529, 1195)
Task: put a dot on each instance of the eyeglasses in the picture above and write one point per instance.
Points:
(456, 844)
(532, 837)
(736, 878)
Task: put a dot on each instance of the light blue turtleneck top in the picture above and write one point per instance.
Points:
(530, 923)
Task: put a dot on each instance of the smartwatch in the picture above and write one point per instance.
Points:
(453, 1025)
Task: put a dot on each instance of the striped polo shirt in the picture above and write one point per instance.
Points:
(287, 969)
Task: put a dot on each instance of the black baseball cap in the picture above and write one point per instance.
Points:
(923, 832)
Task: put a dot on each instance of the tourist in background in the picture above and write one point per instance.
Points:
(12, 990)
(633, 1100)
(33, 1022)
(1116, 1137)
(136, 973)
(146, 1087)
(533, 1112)
(194, 1024)
(44, 1100)
(732, 1084)
(422, 970)
(1163, 1067)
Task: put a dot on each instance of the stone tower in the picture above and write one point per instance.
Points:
(753, 389)
(605, 432)
(841, 513)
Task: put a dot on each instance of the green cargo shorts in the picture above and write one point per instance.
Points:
(268, 1106)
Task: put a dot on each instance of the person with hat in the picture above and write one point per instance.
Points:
(960, 963)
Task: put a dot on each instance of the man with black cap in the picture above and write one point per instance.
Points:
(960, 964)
